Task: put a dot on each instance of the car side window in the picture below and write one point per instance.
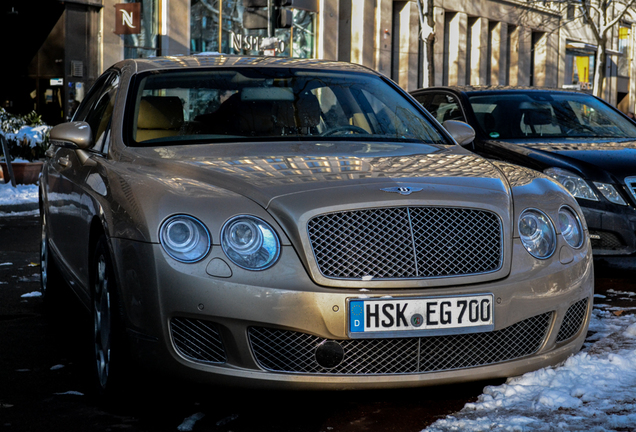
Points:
(442, 106)
(98, 110)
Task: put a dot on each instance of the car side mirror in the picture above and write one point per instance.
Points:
(460, 131)
(74, 135)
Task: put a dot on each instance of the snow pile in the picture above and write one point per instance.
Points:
(17, 195)
(592, 390)
(31, 135)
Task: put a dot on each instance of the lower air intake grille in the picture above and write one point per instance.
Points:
(197, 340)
(288, 351)
(573, 320)
(606, 240)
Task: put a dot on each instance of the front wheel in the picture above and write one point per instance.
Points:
(109, 348)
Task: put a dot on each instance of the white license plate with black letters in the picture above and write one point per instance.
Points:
(403, 317)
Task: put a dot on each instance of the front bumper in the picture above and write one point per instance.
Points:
(612, 229)
(264, 329)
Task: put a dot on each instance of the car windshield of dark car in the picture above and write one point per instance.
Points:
(248, 104)
(519, 115)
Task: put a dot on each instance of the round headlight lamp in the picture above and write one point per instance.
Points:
(185, 238)
(250, 242)
(571, 227)
(537, 233)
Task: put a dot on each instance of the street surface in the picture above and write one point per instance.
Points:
(43, 357)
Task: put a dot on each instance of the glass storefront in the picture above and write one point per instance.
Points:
(231, 38)
(579, 65)
(144, 44)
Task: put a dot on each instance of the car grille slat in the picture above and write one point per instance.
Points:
(406, 243)
(294, 352)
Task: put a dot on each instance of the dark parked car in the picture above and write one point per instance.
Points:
(303, 224)
(576, 138)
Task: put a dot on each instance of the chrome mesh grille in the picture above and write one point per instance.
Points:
(288, 351)
(606, 240)
(406, 242)
(572, 321)
(630, 182)
(197, 340)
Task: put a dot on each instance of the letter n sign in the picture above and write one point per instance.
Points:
(128, 18)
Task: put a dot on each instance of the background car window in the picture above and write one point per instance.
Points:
(246, 104)
(523, 115)
(443, 106)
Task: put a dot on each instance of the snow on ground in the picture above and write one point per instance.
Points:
(21, 194)
(592, 391)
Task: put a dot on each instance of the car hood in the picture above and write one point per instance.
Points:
(615, 158)
(265, 172)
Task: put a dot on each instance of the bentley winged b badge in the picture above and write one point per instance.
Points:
(402, 190)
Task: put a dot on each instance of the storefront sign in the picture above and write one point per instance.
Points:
(241, 43)
(128, 18)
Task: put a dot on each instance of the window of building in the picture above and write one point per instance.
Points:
(579, 65)
(144, 44)
(624, 34)
(231, 38)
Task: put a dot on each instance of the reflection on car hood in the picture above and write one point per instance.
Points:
(263, 172)
(615, 157)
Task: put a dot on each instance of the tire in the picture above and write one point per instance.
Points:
(51, 282)
(111, 362)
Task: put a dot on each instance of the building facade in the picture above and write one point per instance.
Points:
(416, 43)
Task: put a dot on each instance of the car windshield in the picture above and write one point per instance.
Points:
(519, 115)
(248, 104)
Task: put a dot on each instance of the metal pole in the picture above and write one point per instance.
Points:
(270, 18)
(7, 158)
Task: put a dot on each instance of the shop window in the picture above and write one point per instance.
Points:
(579, 65)
(231, 38)
(144, 44)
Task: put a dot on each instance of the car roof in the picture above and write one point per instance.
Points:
(223, 60)
(501, 89)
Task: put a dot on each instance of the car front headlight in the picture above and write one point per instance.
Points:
(537, 233)
(573, 183)
(610, 193)
(185, 238)
(571, 227)
(251, 243)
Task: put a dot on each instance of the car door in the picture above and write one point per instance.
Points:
(70, 202)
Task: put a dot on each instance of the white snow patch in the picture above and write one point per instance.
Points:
(189, 422)
(56, 367)
(591, 391)
(32, 294)
(71, 392)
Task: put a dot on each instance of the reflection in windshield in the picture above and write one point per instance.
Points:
(518, 115)
(247, 104)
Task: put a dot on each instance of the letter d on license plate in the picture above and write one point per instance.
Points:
(404, 317)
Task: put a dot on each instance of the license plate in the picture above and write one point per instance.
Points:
(403, 317)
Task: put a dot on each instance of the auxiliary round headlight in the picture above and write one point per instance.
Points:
(251, 243)
(537, 233)
(570, 226)
(185, 238)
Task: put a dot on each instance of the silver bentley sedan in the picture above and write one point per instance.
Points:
(285, 223)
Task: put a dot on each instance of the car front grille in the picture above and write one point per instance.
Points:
(197, 340)
(606, 240)
(288, 351)
(406, 243)
(630, 182)
(572, 321)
